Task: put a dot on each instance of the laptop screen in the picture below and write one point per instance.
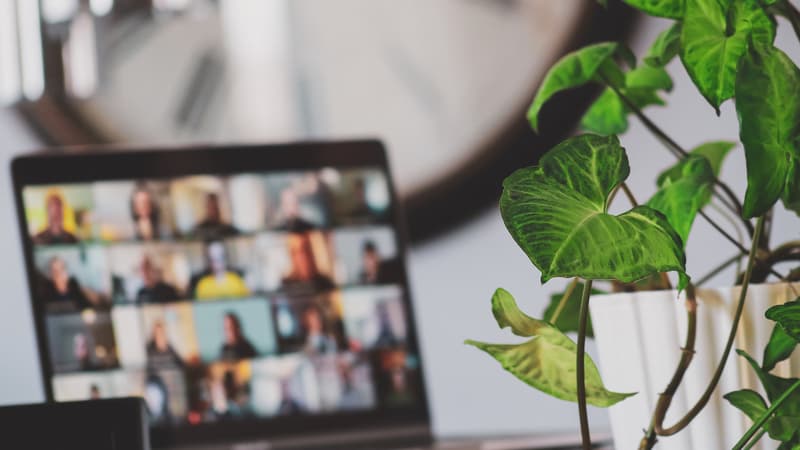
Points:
(276, 293)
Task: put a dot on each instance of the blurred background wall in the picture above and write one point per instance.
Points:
(453, 276)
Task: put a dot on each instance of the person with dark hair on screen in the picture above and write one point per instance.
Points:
(370, 264)
(304, 273)
(160, 352)
(212, 226)
(145, 214)
(54, 232)
(154, 289)
(218, 280)
(62, 289)
(236, 345)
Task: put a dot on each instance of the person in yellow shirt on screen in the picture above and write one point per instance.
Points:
(219, 281)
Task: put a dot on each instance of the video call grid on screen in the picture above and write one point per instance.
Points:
(222, 298)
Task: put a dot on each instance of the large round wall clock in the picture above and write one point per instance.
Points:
(444, 83)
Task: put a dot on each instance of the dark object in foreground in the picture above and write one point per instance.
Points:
(119, 424)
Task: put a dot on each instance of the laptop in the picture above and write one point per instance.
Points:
(254, 296)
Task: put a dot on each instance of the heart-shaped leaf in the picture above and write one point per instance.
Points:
(567, 319)
(547, 361)
(747, 401)
(682, 194)
(573, 70)
(787, 316)
(558, 214)
(779, 348)
(672, 9)
(665, 47)
(714, 36)
(768, 105)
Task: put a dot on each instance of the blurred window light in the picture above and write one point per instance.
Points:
(80, 57)
(30, 39)
(56, 11)
(10, 88)
(171, 5)
(101, 7)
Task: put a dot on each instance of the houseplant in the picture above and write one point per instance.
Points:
(558, 211)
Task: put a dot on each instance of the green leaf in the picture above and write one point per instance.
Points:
(567, 319)
(508, 315)
(783, 428)
(648, 77)
(779, 348)
(715, 36)
(607, 115)
(747, 401)
(714, 152)
(682, 195)
(672, 9)
(558, 214)
(787, 316)
(665, 47)
(546, 362)
(768, 105)
(787, 417)
(573, 70)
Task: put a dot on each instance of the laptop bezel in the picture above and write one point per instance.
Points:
(108, 163)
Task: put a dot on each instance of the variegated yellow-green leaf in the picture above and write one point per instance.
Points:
(573, 70)
(768, 105)
(546, 362)
(558, 214)
(714, 37)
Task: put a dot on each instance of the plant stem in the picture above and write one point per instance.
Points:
(787, 10)
(687, 353)
(755, 440)
(736, 243)
(583, 318)
(732, 202)
(718, 269)
(629, 194)
(665, 399)
(564, 299)
(764, 417)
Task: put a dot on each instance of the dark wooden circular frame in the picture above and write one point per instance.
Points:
(467, 190)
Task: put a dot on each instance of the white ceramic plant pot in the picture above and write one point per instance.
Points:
(639, 336)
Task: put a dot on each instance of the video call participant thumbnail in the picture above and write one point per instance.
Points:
(54, 232)
(145, 213)
(234, 330)
(212, 226)
(305, 274)
(218, 280)
(154, 289)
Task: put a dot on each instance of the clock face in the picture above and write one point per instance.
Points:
(439, 81)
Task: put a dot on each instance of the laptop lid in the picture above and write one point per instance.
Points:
(245, 292)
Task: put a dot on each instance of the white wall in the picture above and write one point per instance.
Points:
(453, 279)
